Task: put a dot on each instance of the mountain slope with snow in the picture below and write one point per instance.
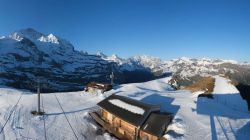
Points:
(67, 114)
(28, 55)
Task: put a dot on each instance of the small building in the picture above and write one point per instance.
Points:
(131, 119)
(94, 87)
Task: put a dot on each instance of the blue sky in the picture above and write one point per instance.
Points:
(162, 28)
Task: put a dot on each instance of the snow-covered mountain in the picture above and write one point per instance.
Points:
(143, 62)
(189, 67)
(186, 70)
(28, 54)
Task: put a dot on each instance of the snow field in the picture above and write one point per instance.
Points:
(68, 117)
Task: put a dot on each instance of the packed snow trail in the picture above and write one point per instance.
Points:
(77, 113)
(11, 112)
(59, 118)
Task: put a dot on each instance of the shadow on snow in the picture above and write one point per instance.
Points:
(215, 109)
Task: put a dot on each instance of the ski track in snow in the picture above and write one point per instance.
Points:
(193, 118)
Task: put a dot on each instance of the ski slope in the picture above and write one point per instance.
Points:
(67, 114)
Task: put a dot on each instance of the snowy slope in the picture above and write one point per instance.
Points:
(22, 125)
(226, 93)
(193, 118)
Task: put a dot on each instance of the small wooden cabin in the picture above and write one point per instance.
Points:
(94, 87)
(131, 119)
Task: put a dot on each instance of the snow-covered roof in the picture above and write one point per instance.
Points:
(129, 107)
(132, 111)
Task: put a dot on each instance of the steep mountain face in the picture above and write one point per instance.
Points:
(27, 55)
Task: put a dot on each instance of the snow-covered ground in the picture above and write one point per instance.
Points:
(67, 114)
(226, 93)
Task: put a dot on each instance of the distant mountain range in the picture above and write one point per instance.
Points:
(28, 55)
(186, 71)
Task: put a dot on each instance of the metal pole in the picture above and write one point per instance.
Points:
(38, 93)
(112, 78)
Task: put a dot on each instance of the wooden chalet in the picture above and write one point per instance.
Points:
(94, 87)
(131, 119)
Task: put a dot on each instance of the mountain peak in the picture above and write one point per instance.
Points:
(184, 58)
(114, 56)
(50, 38)
(145, 57)
(102, 55)
(51, 35)
(29, 33)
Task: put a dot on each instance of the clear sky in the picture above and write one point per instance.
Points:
(162, 28)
